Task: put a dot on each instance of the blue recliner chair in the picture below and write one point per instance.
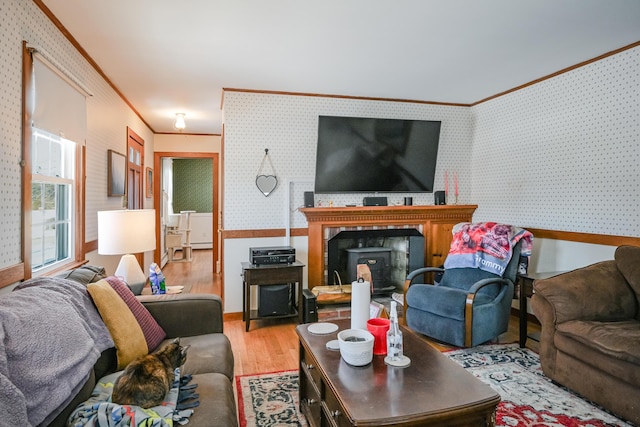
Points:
(467, 307)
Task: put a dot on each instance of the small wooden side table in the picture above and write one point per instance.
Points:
(271, 274)
(525, 284)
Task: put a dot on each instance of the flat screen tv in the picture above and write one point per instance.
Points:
(375, 155)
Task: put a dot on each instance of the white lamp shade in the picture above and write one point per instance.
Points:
(126, 231)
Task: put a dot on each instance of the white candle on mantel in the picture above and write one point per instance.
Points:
(455, 184)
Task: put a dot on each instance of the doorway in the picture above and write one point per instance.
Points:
(161, 207)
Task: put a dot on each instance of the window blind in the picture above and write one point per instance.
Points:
(59, 106)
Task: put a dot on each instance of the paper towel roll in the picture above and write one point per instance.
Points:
(360, 304)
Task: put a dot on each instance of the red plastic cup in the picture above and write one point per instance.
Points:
(378, 328)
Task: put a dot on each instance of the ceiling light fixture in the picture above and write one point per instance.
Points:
(179, 123)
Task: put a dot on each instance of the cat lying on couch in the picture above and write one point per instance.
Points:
(146, 381)
(196, 319)
(149, 391)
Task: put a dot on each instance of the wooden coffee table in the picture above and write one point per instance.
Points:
(432, 391)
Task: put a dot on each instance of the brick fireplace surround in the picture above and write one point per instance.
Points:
(434, 222)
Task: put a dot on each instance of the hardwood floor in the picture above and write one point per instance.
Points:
(198, 273)
(272, 345)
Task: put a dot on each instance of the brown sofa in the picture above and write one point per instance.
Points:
(590, 338)
(196, 319)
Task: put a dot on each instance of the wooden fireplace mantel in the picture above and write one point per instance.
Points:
(436, 222)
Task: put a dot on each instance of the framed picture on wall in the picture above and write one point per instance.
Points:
(116, 173)
(149, 192)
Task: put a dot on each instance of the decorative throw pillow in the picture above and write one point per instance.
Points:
(122, 324)
(153, 332)
(85, 274)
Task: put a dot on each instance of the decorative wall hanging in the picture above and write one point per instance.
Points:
(149, 187)
(266, 183)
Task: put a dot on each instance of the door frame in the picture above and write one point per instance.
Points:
(157, 197)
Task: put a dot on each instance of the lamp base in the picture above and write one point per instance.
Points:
(131, 273)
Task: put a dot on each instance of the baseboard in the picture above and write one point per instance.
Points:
(228, 317)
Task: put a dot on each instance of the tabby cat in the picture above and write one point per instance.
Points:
(146, 381)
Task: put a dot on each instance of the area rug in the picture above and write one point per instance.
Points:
(529, 399)
(269, 400)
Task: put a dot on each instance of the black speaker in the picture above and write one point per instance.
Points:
(308, 199)
(374, 201)
(440, 197)
(274, 300)
(309, 307)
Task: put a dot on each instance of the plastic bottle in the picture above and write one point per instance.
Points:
(394, 335)
(157, 280)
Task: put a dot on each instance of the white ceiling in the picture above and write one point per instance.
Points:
(168, 56)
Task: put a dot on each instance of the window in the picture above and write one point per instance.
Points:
(54, 111)
(52, 200)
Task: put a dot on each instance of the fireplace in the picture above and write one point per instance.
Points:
(390, 254)
(433, 222)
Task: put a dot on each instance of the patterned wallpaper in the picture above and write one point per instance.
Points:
(192, 181)
(10, 133)
(107, 119)
(287, 126)
(561, 154)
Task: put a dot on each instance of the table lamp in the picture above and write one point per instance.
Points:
(127, 232)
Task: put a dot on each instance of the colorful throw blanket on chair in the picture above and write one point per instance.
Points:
(487, 246)
(99, 411)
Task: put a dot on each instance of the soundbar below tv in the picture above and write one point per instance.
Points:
(358, 155)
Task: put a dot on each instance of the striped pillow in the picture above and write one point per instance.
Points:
(123, 327)
(153, 332)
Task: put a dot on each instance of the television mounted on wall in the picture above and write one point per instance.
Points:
(374, 155)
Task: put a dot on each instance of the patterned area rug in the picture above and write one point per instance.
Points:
(269, 400)
(529, 399)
